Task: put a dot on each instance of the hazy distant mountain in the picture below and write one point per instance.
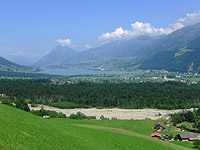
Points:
(6, 65)
(22, 61)
(121, 48)
(60, 56)
(179, 51)
(57, 56)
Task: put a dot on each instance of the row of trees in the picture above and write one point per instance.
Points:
(23, 105)
(167, 95)
(188, 116)
(19, 103)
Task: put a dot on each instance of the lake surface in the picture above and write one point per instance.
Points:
(82, 72)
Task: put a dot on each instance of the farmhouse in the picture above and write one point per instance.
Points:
(159, 127)
(187, 137)
(166, 136)
(156, 135)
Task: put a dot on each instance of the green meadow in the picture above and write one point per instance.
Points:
(20, 130)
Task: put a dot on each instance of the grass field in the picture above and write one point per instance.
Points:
(24, 131)
(192, 79)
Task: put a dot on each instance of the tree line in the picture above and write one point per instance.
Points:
(166, 95)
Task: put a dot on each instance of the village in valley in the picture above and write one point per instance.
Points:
(153, 77)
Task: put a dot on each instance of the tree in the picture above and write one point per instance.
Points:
(6, 102)
(197, 125)
(197, 144)
(171, 136)
(22, 104)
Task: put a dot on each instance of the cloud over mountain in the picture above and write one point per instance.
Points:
(88, 46)
(140, 28)
(64, 42)
(190, 19)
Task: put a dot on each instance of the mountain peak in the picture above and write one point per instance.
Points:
(56, 56)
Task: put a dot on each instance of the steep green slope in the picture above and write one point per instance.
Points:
(172, 42)
(21, 130)
(6, 65)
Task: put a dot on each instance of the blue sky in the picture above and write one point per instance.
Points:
(30, 29)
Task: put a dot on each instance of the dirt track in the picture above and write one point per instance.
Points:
(123, 114)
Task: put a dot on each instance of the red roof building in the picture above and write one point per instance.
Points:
(156, 135)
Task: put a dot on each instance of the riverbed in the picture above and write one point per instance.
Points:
(122, 114)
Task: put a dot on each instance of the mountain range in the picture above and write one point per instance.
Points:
(114, 55)
(178, 51)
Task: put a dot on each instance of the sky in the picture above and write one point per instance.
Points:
(30, 29)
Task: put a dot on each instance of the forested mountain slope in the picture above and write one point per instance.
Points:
(179, 51)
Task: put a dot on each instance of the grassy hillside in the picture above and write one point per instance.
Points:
(6, 65)
(21, 130)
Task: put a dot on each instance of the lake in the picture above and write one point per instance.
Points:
(82, 72)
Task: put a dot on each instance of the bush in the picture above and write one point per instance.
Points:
(68, 105)
(80, 115)
(187, 116)
(196, 144)
(103, 118)
(113, 118)
(52, 114)
(6, 102)
(34, 105)
(22, 104)
(171, 136)
(176, 138)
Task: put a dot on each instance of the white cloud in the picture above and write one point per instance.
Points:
(140, 28)
(190, 19)
(19, 53)
(64, 42)
(117, 34)
(29, 54)
(88, 46)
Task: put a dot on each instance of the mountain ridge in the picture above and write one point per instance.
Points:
(6, 65)
(113, 50)
(181, 52)
(167, 52)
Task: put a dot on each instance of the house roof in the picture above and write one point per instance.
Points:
(188, 136)
(156, 134)
(156, 124)
(159, 127)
